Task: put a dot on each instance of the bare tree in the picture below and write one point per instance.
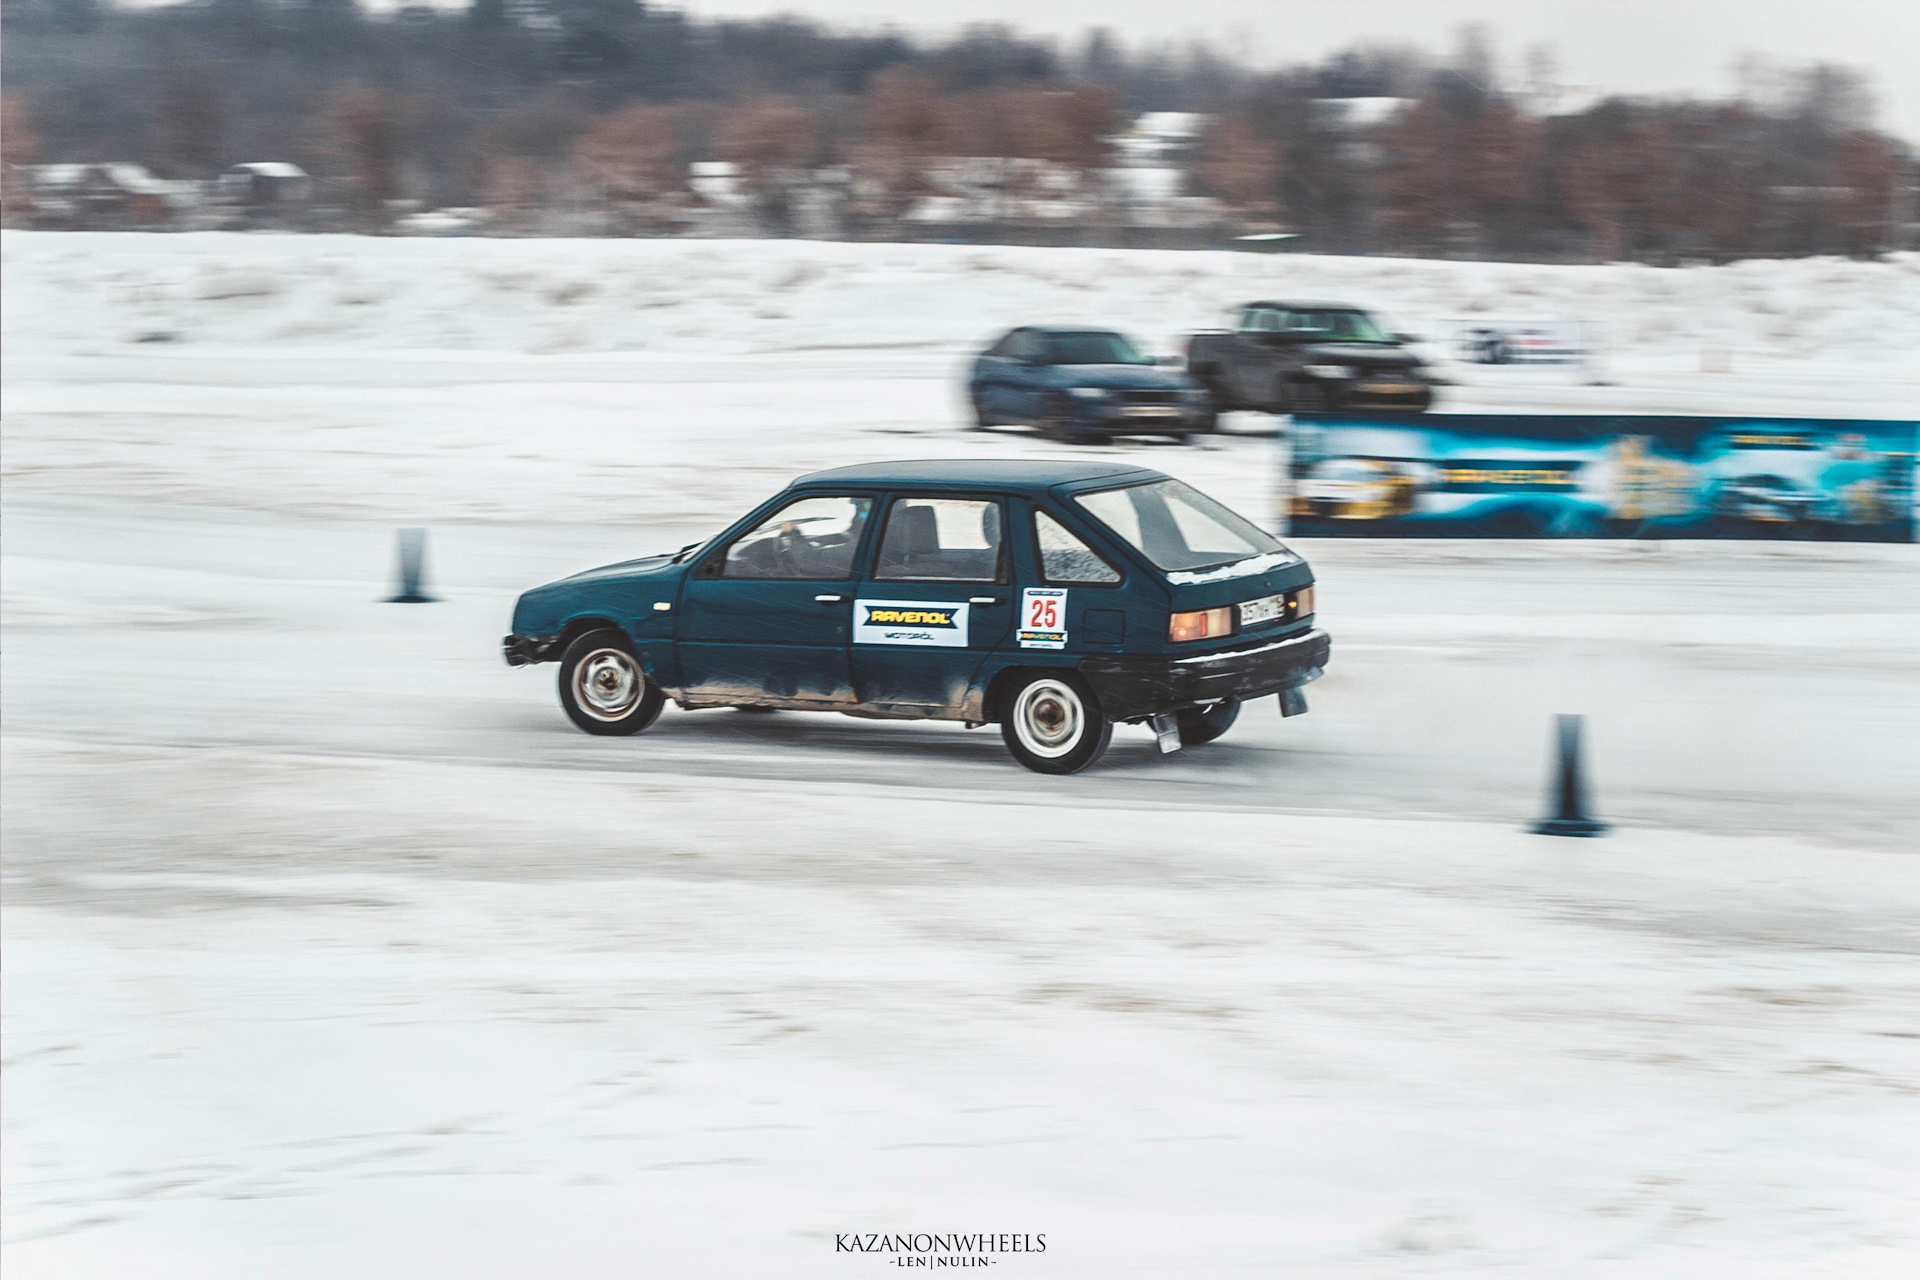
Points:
(1239, 167)
(19, 146)
(1865, 169)
(633, 158)
(365, 125)
(189, 119)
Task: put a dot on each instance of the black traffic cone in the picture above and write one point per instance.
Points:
(1570, 816)
(412, 547)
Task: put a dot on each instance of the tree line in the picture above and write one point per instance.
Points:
(521, 105)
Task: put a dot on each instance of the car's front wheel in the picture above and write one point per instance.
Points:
(1303, 397)
(981, 418)
(1052, 724)
(1057, 421)
(1204, 724)
(603, 688)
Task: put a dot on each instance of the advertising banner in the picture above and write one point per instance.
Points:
(1568, 476)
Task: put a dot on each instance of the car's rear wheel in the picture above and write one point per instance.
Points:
(603, 687)
(1052, 724)
(1204, 724)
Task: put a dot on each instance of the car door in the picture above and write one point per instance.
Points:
(999, 376)
(934, 603)
(765, 618)
(1072, 598)
(1253, 362)
(1025, 375)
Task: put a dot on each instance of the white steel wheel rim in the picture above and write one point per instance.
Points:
(1049, 719)
(606, 684)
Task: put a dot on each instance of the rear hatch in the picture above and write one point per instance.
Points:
(1265, 601)
(1214, 562)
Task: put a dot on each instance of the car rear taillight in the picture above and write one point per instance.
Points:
(1303, 602)
(1202, 624)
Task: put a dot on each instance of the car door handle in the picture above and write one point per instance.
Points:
(984, 600)
(828, 599)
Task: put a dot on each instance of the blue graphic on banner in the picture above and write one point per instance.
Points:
(1565, 476)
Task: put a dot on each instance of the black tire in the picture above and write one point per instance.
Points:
(603, 688)
(1052, 724)
(1056, 421)
(1216, 388)
(981, 418)
(1204, 724)
(1208, 422)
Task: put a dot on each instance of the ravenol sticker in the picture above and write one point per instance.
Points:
(939, 623)
(1043, 618)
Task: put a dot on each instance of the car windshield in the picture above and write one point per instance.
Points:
(1092, 348)
(1177, 527)
(1335, 326)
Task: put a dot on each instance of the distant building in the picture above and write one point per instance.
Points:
(107, 195)
(1160, 139)
(1147, 187)
(262, 185)
(1356, 115)
(718, 183)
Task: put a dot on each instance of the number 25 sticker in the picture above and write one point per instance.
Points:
(1043, 618)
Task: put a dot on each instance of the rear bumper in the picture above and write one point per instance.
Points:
(523, 651)
(1134, 688)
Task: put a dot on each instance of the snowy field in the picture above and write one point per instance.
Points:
(331, 949)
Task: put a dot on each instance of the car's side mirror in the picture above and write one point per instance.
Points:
(1168, 360)
(1407, 337)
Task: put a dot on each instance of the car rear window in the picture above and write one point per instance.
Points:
(1176, 526)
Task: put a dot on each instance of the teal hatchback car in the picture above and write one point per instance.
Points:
(1054, 599)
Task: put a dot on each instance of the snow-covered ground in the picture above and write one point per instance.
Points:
(332, 950)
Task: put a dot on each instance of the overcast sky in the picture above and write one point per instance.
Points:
(1627, 46)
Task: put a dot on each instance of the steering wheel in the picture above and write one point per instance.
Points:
(789, 545)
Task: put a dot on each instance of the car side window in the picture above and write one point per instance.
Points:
(941, 540)
(1023, 345)
(809, 539)
(1064, 559)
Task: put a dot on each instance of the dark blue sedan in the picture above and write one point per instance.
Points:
(1078, 384)
(1053, 599)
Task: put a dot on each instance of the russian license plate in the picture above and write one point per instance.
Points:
(1151, 411)
(1389, 388)
(1265, 610)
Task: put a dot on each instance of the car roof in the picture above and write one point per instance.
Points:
(1067, 328)
(998, 473)
(1300, 304)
